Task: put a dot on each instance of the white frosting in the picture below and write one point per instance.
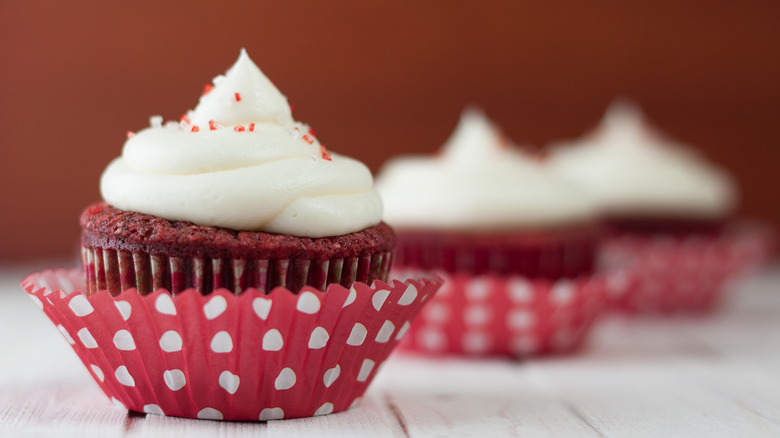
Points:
(479, 181)
(249, 166)
(629, 168)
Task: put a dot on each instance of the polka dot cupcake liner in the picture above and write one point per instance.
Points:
(511, 315)
(223, 356)
(684, 274)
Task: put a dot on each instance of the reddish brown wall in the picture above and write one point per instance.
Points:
(374, 79)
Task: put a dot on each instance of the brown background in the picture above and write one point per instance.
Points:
(374, 79)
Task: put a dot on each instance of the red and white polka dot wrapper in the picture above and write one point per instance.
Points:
(684, 274)
(232, 357)
(510, 315)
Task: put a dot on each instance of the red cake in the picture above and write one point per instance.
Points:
(125, 250)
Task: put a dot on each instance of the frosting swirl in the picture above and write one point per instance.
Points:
(478, 182)
(629, 168)
(240, 161)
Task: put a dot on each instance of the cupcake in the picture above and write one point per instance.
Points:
(235, 195)
(669, 213)
(236, 269)
(516, 245)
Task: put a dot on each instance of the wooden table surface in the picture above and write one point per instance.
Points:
(716, 376)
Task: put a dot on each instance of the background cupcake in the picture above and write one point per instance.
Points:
(668, 212)
(237, 269)
(517, 245)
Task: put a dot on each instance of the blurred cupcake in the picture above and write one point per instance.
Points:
(668, 212)
(516, 245)
(237, 269)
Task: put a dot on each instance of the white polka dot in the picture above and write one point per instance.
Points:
(124, 309)
(174, 379)
(520, 319)
(118, 403)
(164, 304)
(385, 332)
(80, 306)
(36, 301)
(229, 381)
(170, 341)
(478, 289)
(222, 343)
(402, 331)
(86, 338)
(262, 307)
(476, 315)
(409, 295)
(562, 292)
(432, 339)
(272, 340)
(153, 409)
(285, 380)
(331, 375)
(124, 377)
(365, 370)
(379, 298)
(520, 290)
(271, 414)
(351, 297)
(215, 307)
(357, 335)
(124, 340)
(476, 342)
(66, 334)
(436, 312)
(209, 414)
(319, 338)
(308, 303)
(97, 372)
(325, 409)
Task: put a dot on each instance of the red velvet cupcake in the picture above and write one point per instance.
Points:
(510, 239)
(668, 213)
(237, 270)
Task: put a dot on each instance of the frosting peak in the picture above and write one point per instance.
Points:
(240, 161)
(630, 168)
(479, 182)
(242, 95)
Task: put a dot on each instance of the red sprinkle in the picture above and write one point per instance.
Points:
(308, 139)
(325, 154)
(207, 89)
(238, 128)
(95, 210)
(212, 125)
(251, 126)
(184, 119)
(292, 108)
(130, 134)
(238, 97)
(311, 132)
(195, 129)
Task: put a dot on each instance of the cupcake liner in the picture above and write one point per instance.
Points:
(492, 315)
(116, 271)
(547, 254)
(224, 356)
(684, 274)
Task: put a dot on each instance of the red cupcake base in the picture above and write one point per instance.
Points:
(513, 316)
(222, 356)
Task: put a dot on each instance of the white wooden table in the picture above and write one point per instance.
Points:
(717, 376)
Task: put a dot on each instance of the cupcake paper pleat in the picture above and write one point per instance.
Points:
(252, 356)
